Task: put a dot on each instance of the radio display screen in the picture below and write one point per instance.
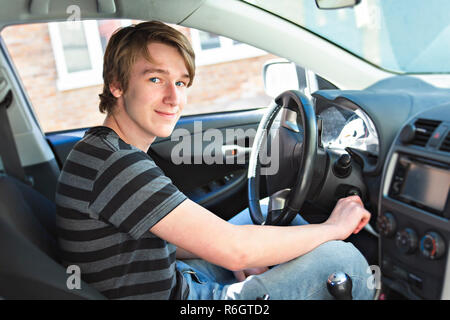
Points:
(426, 185)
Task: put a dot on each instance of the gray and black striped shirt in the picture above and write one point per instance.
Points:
(109, 195)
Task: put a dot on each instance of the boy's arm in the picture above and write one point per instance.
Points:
(184, 254)
(234, 247)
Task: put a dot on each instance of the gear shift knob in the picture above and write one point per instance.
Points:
(339, 285)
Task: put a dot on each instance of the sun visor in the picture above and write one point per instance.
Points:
(32, 11)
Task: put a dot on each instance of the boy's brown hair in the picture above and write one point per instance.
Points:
(127, 44)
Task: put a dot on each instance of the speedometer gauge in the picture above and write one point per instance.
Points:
(354, 133)
(348, 128)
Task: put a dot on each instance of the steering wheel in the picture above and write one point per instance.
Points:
(297, 142)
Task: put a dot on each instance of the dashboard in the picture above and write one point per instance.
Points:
(401, 129)
(414, 207)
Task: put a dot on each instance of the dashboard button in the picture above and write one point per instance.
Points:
(415, 280)
(437, 136)
(406, 240)
(432, 246)
(387, 224)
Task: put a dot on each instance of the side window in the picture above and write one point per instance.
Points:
(60, 65)
(228, 76)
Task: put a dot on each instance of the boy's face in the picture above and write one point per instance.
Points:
(156, 93)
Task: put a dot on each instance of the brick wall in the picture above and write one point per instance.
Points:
(225, 86)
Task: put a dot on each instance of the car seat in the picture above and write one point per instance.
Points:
(29, 263)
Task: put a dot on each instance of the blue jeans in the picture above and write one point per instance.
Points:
(303, 278)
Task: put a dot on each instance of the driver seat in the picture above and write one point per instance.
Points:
(29, 264)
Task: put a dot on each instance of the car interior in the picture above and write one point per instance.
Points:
(357, 129)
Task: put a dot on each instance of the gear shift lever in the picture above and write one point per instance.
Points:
(339, 285)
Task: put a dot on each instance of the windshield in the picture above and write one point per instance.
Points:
(403, 36)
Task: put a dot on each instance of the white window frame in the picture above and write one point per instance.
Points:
(73, 80)
(226, 52)
(80, 79)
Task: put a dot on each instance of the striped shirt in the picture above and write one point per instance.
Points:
(109, 195)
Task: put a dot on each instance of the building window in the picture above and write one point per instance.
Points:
(78, 49)
(209, 40)
(211, 48)
(75, 49)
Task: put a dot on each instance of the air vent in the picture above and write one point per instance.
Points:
(445, 146)
(423, 130)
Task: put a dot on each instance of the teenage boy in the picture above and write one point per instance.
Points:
(136, 236)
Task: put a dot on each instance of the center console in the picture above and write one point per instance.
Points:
(414, 211)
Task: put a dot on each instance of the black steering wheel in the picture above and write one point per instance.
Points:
(297, 145)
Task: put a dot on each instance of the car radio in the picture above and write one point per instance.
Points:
(422, 183)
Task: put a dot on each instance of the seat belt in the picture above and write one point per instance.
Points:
(8, 149)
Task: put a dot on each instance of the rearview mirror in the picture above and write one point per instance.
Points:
(336, 4)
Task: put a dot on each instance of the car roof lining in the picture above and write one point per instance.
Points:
(34, 11)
